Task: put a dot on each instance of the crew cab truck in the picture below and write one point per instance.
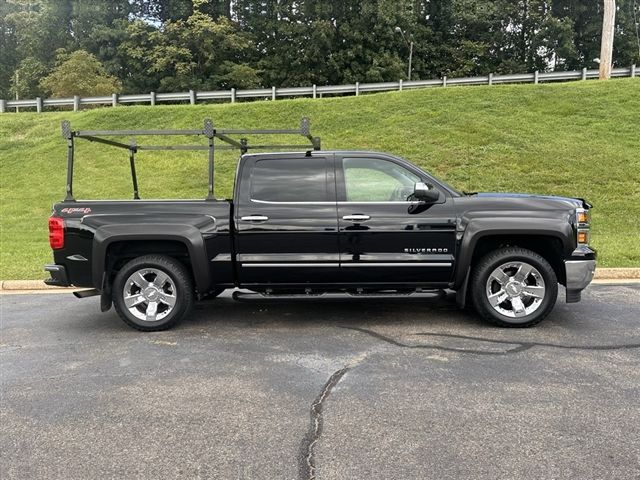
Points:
(313, 223)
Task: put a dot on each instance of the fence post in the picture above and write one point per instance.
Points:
(39, 104)
(76, 103)
(315, 91)
(3, 105)
(152, 98)
(400, 85)
(584, 73)
(192, 97)
(535, 77)
(633, 70)
(233, 95)
(273, 93)
(114, 99)
(491, 79)
(357, 88)
(444, 81)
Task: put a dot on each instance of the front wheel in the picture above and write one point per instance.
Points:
(153, 293)
(514, 287)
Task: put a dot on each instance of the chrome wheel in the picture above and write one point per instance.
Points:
(149, 294)
(515, 289)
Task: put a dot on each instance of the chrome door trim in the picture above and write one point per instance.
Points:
(287, 265)
(399, 202)
(254, 218)
(396, 264)
(356, 218)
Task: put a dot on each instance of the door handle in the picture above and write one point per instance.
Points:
(356, 218)
(254, 218)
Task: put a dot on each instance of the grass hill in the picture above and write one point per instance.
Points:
(574, 139)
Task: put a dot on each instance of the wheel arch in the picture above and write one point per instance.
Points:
(547, 246)
(113, 243)
(547, 237)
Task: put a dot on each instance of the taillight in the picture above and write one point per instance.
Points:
(56, 233)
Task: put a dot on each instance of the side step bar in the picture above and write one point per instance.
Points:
(86, 293)
(250, 296)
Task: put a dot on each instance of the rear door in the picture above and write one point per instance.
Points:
(386, 237)
(286, 219)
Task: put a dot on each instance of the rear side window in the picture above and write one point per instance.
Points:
(290, 180)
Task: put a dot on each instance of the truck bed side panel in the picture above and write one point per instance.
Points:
(93, 228)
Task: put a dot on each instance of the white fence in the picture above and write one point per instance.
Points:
(314, 91)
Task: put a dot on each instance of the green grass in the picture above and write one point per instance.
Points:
(575, 139)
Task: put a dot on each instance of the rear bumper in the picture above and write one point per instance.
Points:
(579, 274)
(58, 275)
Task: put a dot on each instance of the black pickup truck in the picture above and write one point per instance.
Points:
(317, 223)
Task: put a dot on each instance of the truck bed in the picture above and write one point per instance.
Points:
(99, 232)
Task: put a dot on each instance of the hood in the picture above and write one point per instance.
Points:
(575, 202)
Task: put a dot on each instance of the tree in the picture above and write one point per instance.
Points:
(172, 10)
(25, 82)
(164, 45)
(79, 73)
(586, 21)
(198, 52)
(9, 57)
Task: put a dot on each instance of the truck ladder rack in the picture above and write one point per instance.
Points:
(208, 131)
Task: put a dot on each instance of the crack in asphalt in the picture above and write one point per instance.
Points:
(521, 346)
(534, 344)
(307, 467)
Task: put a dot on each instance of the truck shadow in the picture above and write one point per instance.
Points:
(406, 316)
(414, 323)
(438, 308)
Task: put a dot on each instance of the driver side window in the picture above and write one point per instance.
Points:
(376, 180)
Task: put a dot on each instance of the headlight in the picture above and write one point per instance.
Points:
(582, 222)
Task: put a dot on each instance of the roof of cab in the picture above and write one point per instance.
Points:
(313, 153)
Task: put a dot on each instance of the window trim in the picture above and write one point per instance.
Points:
(270, 202)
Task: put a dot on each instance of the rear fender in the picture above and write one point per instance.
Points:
(188, 235)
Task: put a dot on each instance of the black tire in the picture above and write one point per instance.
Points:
(481, 289)
(179, 279)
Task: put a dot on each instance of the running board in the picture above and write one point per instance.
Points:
(86, 293)
(249, 296)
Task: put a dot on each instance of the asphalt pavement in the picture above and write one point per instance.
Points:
(352, 389)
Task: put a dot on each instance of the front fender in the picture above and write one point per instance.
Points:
(188, 235)
(479, 228)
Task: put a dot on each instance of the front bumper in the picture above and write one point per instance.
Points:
(579, 274)
(58, 276)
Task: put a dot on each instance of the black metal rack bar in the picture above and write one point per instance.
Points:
(121, 133)
(92, 138)
(208, 131)
(132, 161)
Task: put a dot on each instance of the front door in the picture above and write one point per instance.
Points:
(385, 236)
(286, 221)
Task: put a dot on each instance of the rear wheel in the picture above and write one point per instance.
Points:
(514, 287)
(153, 292)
